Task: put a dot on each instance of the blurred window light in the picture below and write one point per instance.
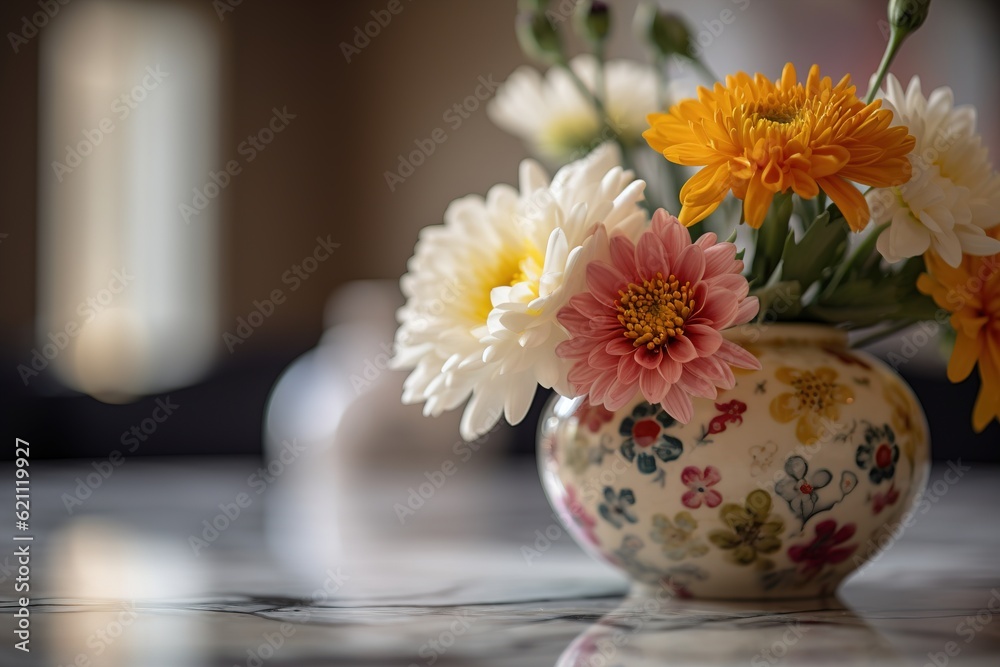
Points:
(129, 112)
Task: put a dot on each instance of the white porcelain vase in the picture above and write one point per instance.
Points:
(780, 487)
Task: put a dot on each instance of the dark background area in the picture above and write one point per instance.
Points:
(325, 178)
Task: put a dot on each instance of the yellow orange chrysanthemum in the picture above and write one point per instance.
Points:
(971, 292)
(757, 138)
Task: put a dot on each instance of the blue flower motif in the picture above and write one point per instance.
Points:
(646, 429)
(879, 454)
(799, 488)
(615, 508)
(806, 493)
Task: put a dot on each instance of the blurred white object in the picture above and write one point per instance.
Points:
(128, 123)
(340, 404)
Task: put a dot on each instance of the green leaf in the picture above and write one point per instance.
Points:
(771, 238)
(821, 247)
(779, 301)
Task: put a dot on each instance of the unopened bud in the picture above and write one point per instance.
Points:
(666, 32)
(908, 15)
(538, 37)
(593, 20)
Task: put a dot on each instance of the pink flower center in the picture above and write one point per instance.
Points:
(883, 455)
(806, 488)
(655, 311)
(645, 432)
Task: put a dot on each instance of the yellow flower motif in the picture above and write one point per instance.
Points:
(909, 431)
(815, 401)
(971, 292)
(758, 138)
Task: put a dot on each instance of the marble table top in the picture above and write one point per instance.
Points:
(479, 575)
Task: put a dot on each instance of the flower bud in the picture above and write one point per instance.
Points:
(593, 20)
(666, 32)
(908, 15)
(538, 37)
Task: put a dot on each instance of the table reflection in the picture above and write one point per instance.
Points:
(656, 627)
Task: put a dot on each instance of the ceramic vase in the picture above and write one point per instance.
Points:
(778, 488)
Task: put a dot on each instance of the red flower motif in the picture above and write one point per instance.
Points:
(731, 412)
(882, 500)
(825, 548)
(584, 521)
(593, 416)
(698, 484)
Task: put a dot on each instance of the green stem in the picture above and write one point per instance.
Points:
(883, 333)
(585, 91)
(862, 251)
(896, 38)
(599, 108)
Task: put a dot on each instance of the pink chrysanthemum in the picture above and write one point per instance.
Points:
(650, 319)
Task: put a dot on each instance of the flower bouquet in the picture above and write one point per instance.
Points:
(709, 402)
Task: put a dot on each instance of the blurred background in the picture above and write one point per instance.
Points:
(191, 188)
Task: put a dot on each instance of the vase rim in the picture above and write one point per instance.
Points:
(773, 333)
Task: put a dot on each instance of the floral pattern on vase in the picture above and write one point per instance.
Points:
(879, 453)
(827, 548)
(807, 493)
(808, 453)
(814, 402)
(753, 532)
(675, 537)
(699, 484)
(729, 413)
(646, 438)
(616, 507)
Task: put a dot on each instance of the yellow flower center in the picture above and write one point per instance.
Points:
(510, 269)
(655, 311)
(778, 113)
(813, 393)
(570, 133)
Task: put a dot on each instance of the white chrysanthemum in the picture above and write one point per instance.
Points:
(483, 289)
(954, 193)
(557, 121)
